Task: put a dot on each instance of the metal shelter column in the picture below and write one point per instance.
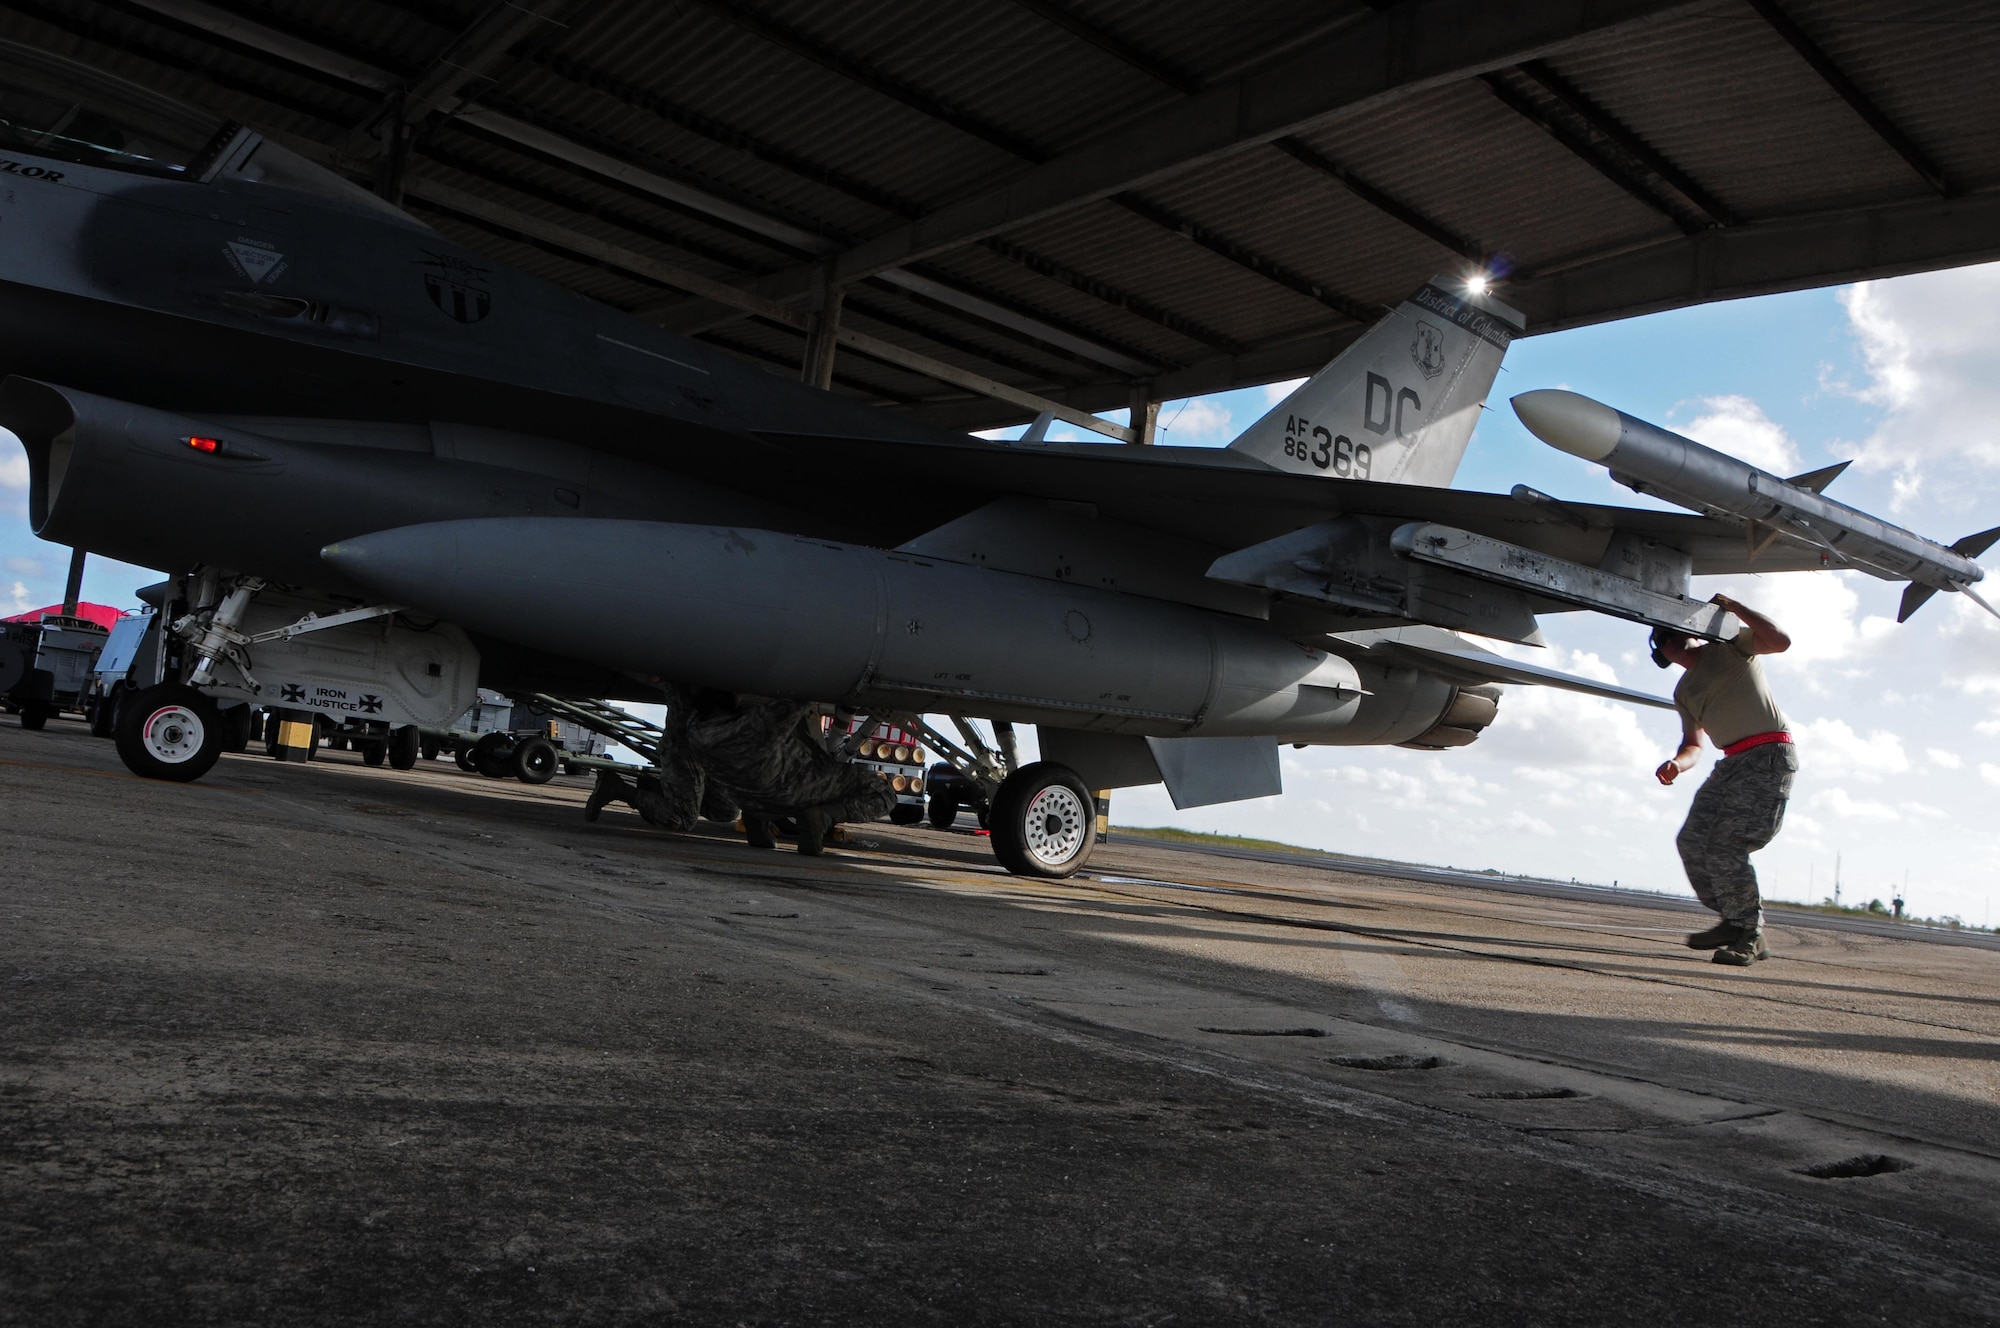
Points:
(1145, 414)
(73, 588)
(823, 331)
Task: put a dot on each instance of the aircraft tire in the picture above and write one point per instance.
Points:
(493, 755)
(427, 746)
(236, 729)
(943, 811)
(34, 716)
(373, 751)
(906, 813)
(461, 754)
(169, 732)
(104, 711)
(1044, 821)
(535, 761)
(405, 744)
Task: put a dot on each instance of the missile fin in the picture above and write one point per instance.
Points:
(1038, 432)
(1978, 599)
(1817, 480)
(1974, 545)
(1915, 596)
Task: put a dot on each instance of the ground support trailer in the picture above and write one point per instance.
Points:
(45, 666)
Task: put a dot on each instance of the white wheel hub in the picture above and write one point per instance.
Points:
(1057, 821)
(173, 734)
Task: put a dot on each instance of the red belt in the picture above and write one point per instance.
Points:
(1742, 745)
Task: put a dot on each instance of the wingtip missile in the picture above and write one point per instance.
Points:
(1658, 461)
(1570, 422)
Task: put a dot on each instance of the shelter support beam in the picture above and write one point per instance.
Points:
(476, 51)
(670, 274)
(1298, 150)
(1585, 144)
(1759, 257)
(437, 92)
(1613, 131)
(1844, 87)
(1248, 259)
(1412, 46)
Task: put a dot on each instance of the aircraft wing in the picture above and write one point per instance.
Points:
(1219, 499)
(1461, 661)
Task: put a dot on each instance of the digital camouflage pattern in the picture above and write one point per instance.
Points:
(719, 759)
(769, 758)
(1738, 810)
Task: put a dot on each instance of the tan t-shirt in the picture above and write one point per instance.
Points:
(1725, 694)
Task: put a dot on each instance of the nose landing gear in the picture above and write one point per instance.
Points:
(171, 731)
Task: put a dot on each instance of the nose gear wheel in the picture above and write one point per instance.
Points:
(168, 732)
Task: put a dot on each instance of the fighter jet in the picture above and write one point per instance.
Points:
(381, 470)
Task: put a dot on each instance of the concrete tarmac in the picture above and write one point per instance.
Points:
(332, 1044)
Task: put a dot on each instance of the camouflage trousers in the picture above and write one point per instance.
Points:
(1739, 808)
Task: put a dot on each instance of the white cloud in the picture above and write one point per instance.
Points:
(17, 598)
(1195, 422)
(1737, 425)
(1927, 343)
(1821, 611)
(1945, 760)
(24, 566)
(1989, 772)
(1832, 744)
(1845, 808)
(1276, 392)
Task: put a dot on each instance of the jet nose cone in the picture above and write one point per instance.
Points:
(1570, 423)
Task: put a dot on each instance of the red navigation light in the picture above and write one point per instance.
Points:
(205, 444)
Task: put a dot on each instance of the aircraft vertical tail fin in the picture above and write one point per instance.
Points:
(1400, 403)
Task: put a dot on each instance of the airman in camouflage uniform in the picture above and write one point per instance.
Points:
(763, 758)
(1741, 806)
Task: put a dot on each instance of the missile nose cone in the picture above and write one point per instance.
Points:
(1570, 423)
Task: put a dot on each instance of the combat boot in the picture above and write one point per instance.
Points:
(814, 822)
(761, 832)
(1743, 952)
(609, 788)
(1721, 934)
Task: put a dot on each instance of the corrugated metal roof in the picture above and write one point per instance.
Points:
(820, 125)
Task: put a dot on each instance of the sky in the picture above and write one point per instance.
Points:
(1898, 727)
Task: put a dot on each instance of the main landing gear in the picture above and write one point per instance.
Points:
(1042, 817)
(1044, 821)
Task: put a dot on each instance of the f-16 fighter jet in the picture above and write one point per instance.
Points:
(381, 470)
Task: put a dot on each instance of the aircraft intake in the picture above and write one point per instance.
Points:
(783, 615)
(168, 490)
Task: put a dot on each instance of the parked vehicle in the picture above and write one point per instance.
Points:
(45, 666)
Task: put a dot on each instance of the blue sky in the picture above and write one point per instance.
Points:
(1898, 726)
